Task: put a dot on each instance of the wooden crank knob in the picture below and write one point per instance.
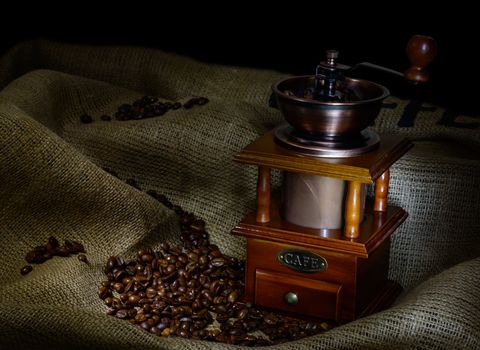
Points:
(421, 50)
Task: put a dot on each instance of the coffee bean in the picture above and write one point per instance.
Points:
(26, 269)
(150, 106)
(203, 260)
(218, 308)
(177, 290)
(42, 253)
(63, 251)
(133, 299)
(201, 101)
(76, 247)
(122, 313)
(325, 326)
(189, 104)
(30, 257)
(104, 292)
(218, 262)
(111, 263)
(119, 275)
(219, 300)
(233, 296)
(118, 287)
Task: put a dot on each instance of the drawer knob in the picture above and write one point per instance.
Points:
(290, 298)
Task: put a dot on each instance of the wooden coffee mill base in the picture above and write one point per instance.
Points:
(330, 274)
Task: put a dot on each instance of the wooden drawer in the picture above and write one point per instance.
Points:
(264, 255)
(313, 297)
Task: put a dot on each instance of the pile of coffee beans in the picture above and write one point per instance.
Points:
(193, 290)
(42, 253)
(146, 107)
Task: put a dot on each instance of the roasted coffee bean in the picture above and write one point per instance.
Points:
(155, 331)
(126, 280)
(40, 254)
(53, 242)
(189, 104)
(112, 263)
(122, 313)
(70, 246)
(30, 257)
(125, 108)
(76, 247)
(146, 258)
(218, 262)
(271, 318)
(82, 258)
(150, 99)
(132, 313)
(47, 255)
(145, 303)
(151, 293)
(140, 317)
(201, 101)
(51, 248)
(178, 210)
(118, 287)
(148, 107)
(104, 292)
(219, 308)
(63, 251)
(26, 269)
(203, 260)
(325, 326)
(86, 119)
(39, 258)
(145, 325)
(177, 291)
(218, 300)
(242, 314)
(119, 275)
(165, 246)
(40, 249)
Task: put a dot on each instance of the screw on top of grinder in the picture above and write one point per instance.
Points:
(332, 56)
(327, 74)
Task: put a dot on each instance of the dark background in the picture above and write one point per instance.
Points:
(291, 39)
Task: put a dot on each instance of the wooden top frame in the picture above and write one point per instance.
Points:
(365, 168)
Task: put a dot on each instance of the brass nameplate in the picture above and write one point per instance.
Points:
(302, 260)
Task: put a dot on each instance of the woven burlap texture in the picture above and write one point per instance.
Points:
(52, 183)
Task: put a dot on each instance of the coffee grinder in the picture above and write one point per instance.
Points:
(321, 248)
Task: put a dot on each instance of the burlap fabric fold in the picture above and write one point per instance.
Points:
(52, 183)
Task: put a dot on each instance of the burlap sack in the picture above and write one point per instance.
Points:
(52, 183)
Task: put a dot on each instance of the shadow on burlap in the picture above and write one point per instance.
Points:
(52, 183)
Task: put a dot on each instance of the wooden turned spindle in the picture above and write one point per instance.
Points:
(381, 191)
(353, 208)
(421, 50)
(263, 195)
(378, 219)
